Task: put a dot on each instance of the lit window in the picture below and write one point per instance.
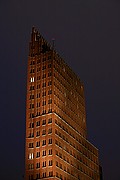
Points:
(30, 156)
(32, 79)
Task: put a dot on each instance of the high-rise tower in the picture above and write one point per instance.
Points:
(56, 135)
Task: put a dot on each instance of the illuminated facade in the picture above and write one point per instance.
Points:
(56, 135)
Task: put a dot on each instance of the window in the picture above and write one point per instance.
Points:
(38, 61)
(31, 106)
(49, 110)
(43, 142)
(30, 166)
(43, 132)
(30, 145)
(50, 163)
(49, 101)
(38, 104)
(37, 143)
(49, 74)
(38, 176)
(31, 125)
(38, 165)
(44, 153)
(49, 65)
(49, 83)
(38, 77)
(44, 59)
(49, 92)
(60, 165)
(49, 130)
(37, 133)
(38, 123)
(38, 69)
(50, 152)
(44, 84)
(49, 57)
(44, 103)
(50, 141)
(31, 156)
(44, 122)
(38, 154)
(44, 175)
(49, 120)
(51, 174)
(44, 93)
(57, 174)
(32, 79)
(38, 95)
(44, 112)
(44, 67)
(31, 96)
(56, 163)
(61, 176)
(44, 76)
(44, 164)
(38, 86)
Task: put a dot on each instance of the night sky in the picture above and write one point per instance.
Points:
(87, 36)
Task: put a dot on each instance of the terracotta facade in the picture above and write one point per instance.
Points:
(56, 134)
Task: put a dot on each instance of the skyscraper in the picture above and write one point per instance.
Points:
(56, 134)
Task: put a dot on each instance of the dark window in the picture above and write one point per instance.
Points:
(49, 130)
(44, 153)
(50, 152)
(51, 174)
(44, 122)
(50, 101)
(44, 67)
(44, 175)
(49, 120)
(38, 123)
(49, 83)
(49, 92)
(43, 142)
(37, 133)
(49, 65)
(50, 141)
(38, 165)
(37, 143)
(38, 154)
(43, 132)
(44, 164)
(49, 74)
(50, 163)
(44, 84)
